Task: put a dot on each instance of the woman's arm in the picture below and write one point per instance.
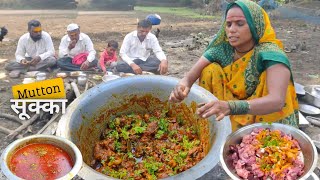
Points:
(182, 89)
(278, 78)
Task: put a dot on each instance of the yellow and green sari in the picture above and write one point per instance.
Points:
(245, 78)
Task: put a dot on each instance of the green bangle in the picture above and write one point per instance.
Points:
(239, 107)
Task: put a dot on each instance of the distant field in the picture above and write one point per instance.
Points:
(10, 3)
(84, 5)
(37, 4)
(178, 11)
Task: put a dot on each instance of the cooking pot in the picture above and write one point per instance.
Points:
(78, 125)
(312, 96)
(299, 89)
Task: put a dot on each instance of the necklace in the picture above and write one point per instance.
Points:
(236, 55)
(239, 54)
(243, 51)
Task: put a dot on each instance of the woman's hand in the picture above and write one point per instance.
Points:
(218, 108)
(180, 92)
(182, 89)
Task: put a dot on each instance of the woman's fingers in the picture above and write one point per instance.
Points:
(218, 108)
(220, 117)
(200, 105)
(179, 93)
(176, 93)
(173, 98)
(203, 110)
(185, 91)
(209, 112)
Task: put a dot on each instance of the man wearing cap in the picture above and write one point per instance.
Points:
(136, 50)
(76, 51)
(35, 51)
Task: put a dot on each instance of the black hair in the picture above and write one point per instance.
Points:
(145, 23)
(232, 6)
(33, 23)
(113, 44)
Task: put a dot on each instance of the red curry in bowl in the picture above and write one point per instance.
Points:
(40, 161)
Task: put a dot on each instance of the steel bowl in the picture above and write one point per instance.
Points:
(62, 75)
(78, 126)
(41, 76)
(75, 73)
(107, 77)
(309, 110)
(28, 80)
(82, 79)
(308, 148)
(312, 96)
(31, 74)
(63, 143)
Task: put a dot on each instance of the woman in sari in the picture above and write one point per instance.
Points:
(246, 69)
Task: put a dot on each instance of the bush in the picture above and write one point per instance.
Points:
(186, 2)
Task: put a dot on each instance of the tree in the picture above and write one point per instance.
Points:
(186, 2)
(51, 4)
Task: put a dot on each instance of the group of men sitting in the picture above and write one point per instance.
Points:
(35, 52)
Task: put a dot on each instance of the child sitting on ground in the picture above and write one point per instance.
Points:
(108, 58)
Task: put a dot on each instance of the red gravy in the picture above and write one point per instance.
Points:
(40, 161)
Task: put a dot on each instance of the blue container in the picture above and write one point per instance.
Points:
(155, 19)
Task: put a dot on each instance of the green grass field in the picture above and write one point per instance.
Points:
(178, 11)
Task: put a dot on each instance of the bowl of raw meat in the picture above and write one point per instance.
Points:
(268, 151)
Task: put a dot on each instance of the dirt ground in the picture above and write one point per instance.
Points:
(104, 26)
(300, 39)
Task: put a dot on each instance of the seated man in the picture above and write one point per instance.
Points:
(135, 52)
(35, 51)
(76, 50)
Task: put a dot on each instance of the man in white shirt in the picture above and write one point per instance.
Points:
(76, 51)
(34, 52)
(135, 52)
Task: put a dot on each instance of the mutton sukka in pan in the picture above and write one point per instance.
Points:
(149, 145)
